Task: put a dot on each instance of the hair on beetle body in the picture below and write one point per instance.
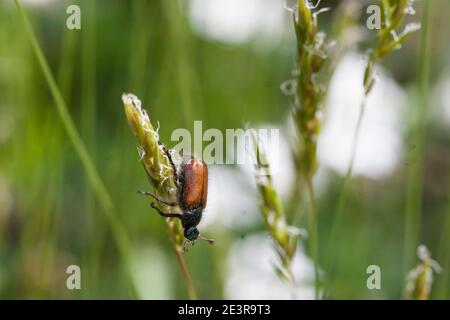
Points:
(191, 181)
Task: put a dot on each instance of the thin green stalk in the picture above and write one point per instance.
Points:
(388, 40)
(180, 51)
(414, 187)
(334, 247)
(95, 230)
(444, 255)
(355, 139)
(64, 80)
(140, 45)
(88, 78)
(65, 83)
(97, 184)
(46, 223)
(296, 205)
(67, 58)
(192, 294)
(187, 277)
(313, 236)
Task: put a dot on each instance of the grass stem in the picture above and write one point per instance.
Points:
(313, 236)
(444, 255)
(186, 276)
(333, 249)
(414, 184)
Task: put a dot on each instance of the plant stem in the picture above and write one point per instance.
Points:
(95, 230)
(295, 206)
(313, 240)
(355, 139)
(444, 255)
(192, 294)
(414, 187)
(333, 247)
(94, 178)
(140, 44)
(186, 276)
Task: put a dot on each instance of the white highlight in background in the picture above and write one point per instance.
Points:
(380, 146)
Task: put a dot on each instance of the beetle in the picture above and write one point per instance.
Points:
(191, 182)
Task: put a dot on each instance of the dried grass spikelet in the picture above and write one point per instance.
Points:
(154, 160)
(389, 37)
(308, 88)
(420, 279)
(285, 237)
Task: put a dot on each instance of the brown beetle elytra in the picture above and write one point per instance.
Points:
(194, 184)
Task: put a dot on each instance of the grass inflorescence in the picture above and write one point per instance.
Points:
(309, 91)
(309, 83)
(389, 39)
(285, 237)
(159, 171)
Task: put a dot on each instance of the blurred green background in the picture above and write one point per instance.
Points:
(183, 71)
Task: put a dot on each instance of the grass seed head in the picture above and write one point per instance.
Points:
(153, 158)
(285, 237)
(390, 36)
(312, 52)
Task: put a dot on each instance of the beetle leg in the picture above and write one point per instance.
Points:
(172, 164)
(164, 214)
(169, 203)
(185, 245)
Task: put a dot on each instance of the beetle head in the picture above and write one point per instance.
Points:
(191, 233)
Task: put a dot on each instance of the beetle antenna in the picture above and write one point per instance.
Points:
(210, 241)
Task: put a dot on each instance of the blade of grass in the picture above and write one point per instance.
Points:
(65, 71)
(96, 182)
(95, 229)
(444, 256)
(334, 247)
(140, 44)
(190, 288)
(180, 51)
(414, 184)
(65, 83)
